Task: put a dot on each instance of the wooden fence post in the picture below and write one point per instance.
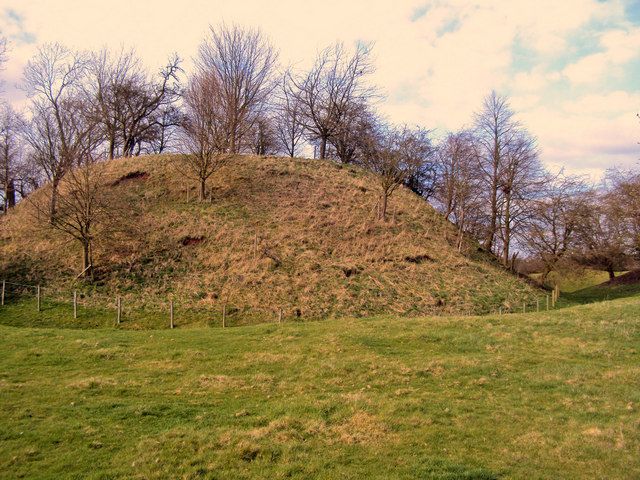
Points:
(224, 315)
(524, 307)
(500, 311)
(119, 304)
(547, 302)
(171, 313)
(280, 315)
(3, 287)
(38, 297)
(75, 304)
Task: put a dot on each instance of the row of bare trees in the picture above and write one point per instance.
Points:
(487, 180)
(489, 177)
(85, 107)
(491, 184)
(238, 101)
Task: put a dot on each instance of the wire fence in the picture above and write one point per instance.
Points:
(157, 313)
(75, 306)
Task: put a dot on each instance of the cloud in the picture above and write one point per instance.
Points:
(435, 59)
(618, 47)
(12, 26)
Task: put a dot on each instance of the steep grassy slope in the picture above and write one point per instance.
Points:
(300, 235)
(537, 396)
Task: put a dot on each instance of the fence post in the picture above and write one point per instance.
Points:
(224, 314)
(3, 287)
(524, 307)
(280, 315)
(171, 313)
(38, 296)
(500, 311)
(119, 304)
(75, 304)
(547, 302)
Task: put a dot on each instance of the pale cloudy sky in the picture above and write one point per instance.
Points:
(571, 67)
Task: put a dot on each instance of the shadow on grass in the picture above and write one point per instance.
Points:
(599, 293)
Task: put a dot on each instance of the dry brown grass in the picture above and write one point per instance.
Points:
(300, 235)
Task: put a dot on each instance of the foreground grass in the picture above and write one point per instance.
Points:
(550, 395)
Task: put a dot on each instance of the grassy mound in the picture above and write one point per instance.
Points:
(296, 235)
(549, 395)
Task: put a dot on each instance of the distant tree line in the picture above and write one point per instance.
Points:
(488, 179)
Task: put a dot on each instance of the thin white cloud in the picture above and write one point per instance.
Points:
(619, 47)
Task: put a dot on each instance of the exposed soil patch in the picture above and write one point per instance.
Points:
(350, 271)
(137, 175)
(189, 241)
(418, 258)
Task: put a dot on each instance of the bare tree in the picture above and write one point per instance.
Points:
(423, 180)
(623, 192)
(163, 135)
(61, 129)
(204, 130)
(458, 190)
(552, 231)
(332, 87)
(520, 184)
(242, 61)
(394, 156)
(359, 124)
(495, 129)
(85, 208)
(132, 108)
(601, 241)
(263, 137)
(11, 165)
(287, 113)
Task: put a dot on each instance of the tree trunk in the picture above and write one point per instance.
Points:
(112, 147)
(488, 243)
(611, 273)
(545, 274)
(507, 232)
(383, 207)
(323, 147)
(461, 231)
(53, 204)
(203, 189)
(87, 262)
(10, 193)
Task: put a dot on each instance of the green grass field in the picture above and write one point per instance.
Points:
(572, 281)
(536, 396)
